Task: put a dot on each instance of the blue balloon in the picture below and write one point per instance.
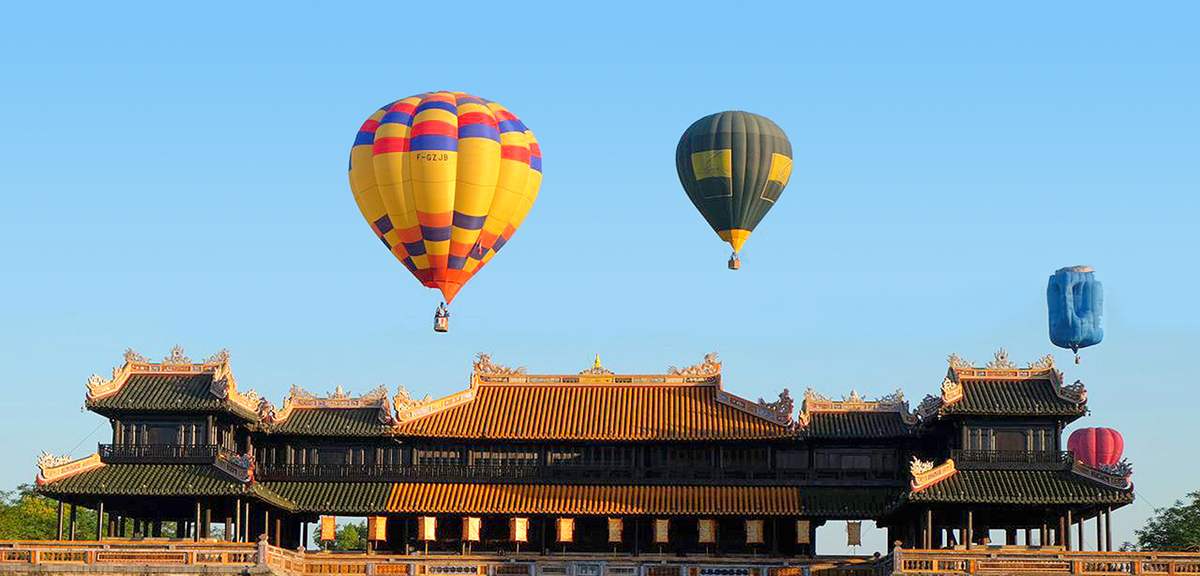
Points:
(1075, 299)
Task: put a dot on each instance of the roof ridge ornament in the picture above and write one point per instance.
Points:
(176, 357)
(783, 406)
(483, 365)
(709, 366)
(1000, 361)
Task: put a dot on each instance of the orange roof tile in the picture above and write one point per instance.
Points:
(609, 411)
(467, 498)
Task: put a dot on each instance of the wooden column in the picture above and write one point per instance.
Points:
(60, 520)
(279, 532)
(196, 532)
(156, 530)
(1108, 529)
(1029, 536)
(266, 529)
(304, 535)
(72, 535)
(970, 529)
(1010, 536)
(100, 520)
(1066, 530)
(928, 528)
(1044, 536)
(1099, 532)
(1079, 530)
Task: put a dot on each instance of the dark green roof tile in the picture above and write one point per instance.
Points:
(334, 497)
(1020, 487)
(1013, 398)
(333, 422)
(856, 425)
(165, 393)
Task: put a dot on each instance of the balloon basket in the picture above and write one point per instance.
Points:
(1077, 359)
(441, 324)
(734, 262)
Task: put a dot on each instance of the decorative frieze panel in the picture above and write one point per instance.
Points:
(925, 474)
(53, 468)
(753, 408)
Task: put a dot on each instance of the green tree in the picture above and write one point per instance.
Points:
(1173, 528)
(350, 536)
(27, 515)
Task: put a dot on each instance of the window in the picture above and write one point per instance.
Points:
(564, 456)
(504, 456)
(791, 459)
(438, 457)
(738, 457)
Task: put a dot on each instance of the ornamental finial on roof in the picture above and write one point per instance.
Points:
(1046, 361)
(176, 357)
(1000, 361)
(131, 356)
(782, 406)
(221, 357)
(484, 365)
(957, 361)
(597, 368)
(709, 366)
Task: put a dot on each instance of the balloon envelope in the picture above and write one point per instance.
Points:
(1096, 447)
(1075, 304)
(444, 179)
(734, 166)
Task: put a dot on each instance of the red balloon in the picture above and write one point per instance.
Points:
(1096, 446)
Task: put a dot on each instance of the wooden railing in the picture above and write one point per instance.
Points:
(1010, 561)
(162, 453)
(161, 555)
(213, 555)
(1012, 459)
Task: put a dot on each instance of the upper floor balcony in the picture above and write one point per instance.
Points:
(567, 473)
(163, 453)
(1012, 459)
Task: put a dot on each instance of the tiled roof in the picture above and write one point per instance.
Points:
(155, 480)
(1020, 487)
(156, 392)
(333, 422)
(856, 425)
(466, 498)
(334, 497)
(594, 412)
(1013, 397)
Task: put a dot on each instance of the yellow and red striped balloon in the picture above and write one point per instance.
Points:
(444, 179)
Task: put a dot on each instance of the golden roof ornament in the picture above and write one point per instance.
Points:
(1044, 362)
(221, 357)
(597, 368)
(917, 466)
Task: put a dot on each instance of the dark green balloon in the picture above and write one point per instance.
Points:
(725, 163)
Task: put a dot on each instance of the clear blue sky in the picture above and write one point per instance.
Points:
(178, 175)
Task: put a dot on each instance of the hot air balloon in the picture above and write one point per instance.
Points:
(1096, 447)
(733, 166)
(1075, 299)
(444, 179)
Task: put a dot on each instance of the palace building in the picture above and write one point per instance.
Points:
(593, 462)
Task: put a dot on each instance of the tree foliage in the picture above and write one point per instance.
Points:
(1173, 528)
(27, 515)
(349, 536)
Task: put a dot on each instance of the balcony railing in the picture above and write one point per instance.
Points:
(535, 472)
(162, 453)
(1012, 459)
